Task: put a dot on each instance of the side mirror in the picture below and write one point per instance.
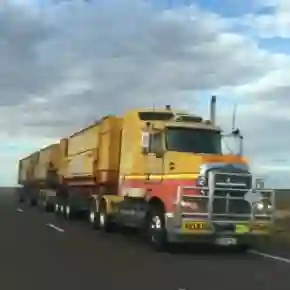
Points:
(159, 153)
(145, 142)
(259, 183)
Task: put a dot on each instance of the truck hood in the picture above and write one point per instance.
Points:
(191, 163)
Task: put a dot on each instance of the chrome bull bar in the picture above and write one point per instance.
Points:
(213, 188)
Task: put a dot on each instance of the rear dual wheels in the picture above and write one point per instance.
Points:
(104, 222)
(56, 208)
(42, 203)
(33, 202)
(68, 212)
(63, 209)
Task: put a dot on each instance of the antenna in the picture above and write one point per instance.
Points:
(234, 117)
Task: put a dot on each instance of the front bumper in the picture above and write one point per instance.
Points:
(210, 232)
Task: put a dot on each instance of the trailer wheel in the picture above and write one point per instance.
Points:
(93, 216)
(156, 229)
(68, 212)
(43, 204)
(104, 222)
(61, 209)
(33, 202)
(21, 199)
(56, 208)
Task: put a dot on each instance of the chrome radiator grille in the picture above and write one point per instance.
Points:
(222, 198)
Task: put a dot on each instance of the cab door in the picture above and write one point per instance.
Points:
(155, 161)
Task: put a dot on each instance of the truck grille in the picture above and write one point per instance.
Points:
(231, 185)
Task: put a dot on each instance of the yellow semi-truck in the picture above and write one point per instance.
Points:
(163, 172)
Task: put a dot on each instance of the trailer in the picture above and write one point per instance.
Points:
(163, 172)
(90, 166)
(46, 176)
(26, 179)
(23, 166)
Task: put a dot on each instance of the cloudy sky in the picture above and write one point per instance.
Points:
(64, 64)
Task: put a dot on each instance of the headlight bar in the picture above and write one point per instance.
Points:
(183, 200)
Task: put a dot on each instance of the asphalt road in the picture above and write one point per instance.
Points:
(40, 251)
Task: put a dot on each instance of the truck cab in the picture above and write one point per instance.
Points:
(178, 185)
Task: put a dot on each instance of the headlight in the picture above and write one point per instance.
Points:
(201, 180)
(260, 206)
(263, 206)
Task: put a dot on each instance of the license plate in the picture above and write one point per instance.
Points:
(226, 241)
(193, 226)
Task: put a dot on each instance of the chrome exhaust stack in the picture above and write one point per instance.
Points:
(213, 110)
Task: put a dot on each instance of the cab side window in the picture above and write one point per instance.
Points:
(156, 144)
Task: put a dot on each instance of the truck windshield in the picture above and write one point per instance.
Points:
(197, 141)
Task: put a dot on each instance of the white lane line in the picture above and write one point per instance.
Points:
(19, 210)
(55, 228)
(265, 255)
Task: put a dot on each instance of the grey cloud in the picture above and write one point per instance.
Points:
(125, 49)
(21, 75)
(85, 61)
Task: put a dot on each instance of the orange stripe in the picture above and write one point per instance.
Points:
(159, 176)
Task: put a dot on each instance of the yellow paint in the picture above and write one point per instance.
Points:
(23, 169)
(135, 165)
(26, 168)
(47, 155)
(95, 152)
(112, 147)
(163, 177)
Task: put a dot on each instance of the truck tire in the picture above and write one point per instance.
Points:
(20, 199)
(157, 234)
(104, 222)
(42, 204)
(56, 208)
(32, 202)
(93, 216)
(61, 209)
(68, 212)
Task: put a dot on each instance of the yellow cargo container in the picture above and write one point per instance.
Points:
(49, 159)
(23, 167)
(93, 154)
(26, 177)
(90, 165)
(26, 168)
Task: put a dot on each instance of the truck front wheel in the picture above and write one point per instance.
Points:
(156, 229)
